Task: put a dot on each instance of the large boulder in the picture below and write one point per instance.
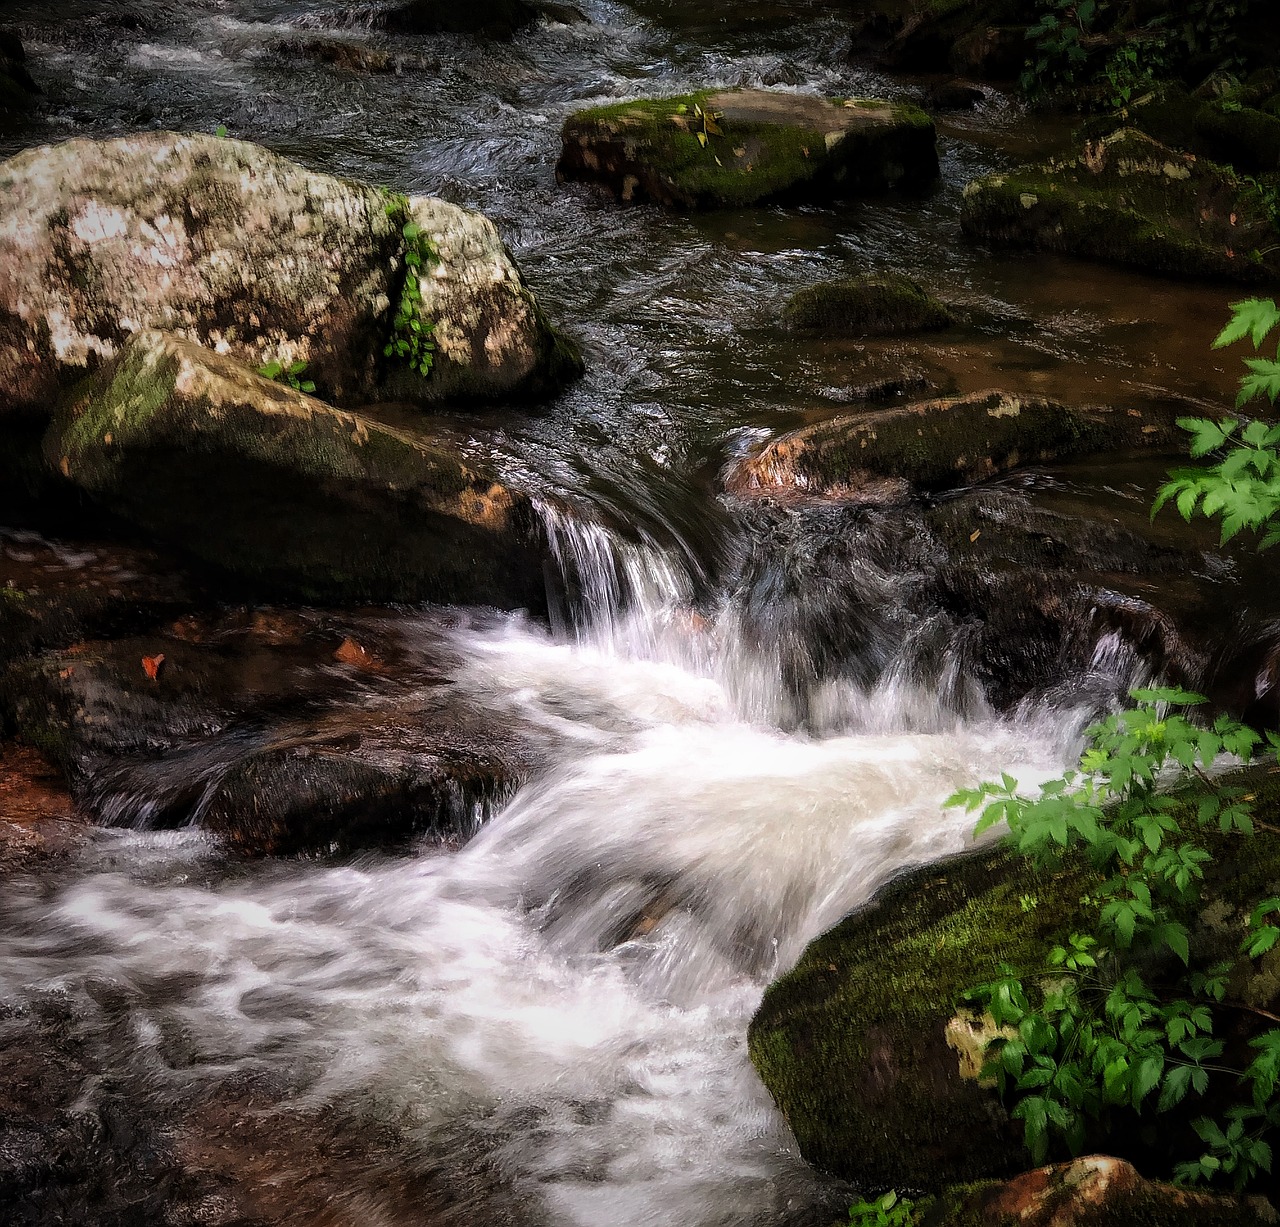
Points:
(228, 244)
(731, 148)
(287, 493)
(938, 444)
(871, 1052)
(1127, 199)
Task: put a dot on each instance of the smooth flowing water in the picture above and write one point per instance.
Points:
(555, 1015)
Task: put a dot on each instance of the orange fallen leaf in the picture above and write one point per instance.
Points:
(973, 536)
(151, 665)
(66, 673)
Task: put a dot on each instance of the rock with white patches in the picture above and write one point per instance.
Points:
(225, 243)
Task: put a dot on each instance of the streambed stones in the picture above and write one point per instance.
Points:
(233, 246)
(732, 148)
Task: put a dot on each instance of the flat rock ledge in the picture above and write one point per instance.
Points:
(885, 455)
(735, 148)
(230, 245)
(287, 493)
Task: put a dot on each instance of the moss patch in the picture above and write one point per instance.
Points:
(885, 304)
(1127, 199)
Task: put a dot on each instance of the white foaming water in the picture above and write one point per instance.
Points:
(572, 989)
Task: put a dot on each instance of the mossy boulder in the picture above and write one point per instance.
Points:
(230, 245)
(869, 1050)
(286, 493)
(873, 305)
(1127, 199)
(733, 148)
(885, 455)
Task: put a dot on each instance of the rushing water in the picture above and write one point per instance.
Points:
(567, 996)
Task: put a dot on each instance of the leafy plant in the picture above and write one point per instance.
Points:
(411, 334)
(291, 374)
(1059, 40)
(1243, 487)
(888, 1210)
(1089, 1035)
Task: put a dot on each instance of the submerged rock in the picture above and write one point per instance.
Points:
(1127, 199)
(281, 732)
(740, 147)
(873, 305)
(935, 445)
(228, 244)
(287, 493)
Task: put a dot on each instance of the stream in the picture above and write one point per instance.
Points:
(547, 1025)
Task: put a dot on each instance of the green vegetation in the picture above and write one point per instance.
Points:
(291, 374)
(888, 1210)
(1243, 487)
(411, 340)
(1120, 1018)
(1110, 52)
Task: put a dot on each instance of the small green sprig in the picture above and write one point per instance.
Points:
(411, 335)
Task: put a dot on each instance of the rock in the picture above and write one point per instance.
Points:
(935, 445)
(872, 305)
(1093, 1191)
(55, 592)
(281, 732)
(228, 244)
(287, 493)
(497, 19)
(954, 96)
(868, 1048)
(765, 146)
(1127, 199)
(38, 819)
(17, 87)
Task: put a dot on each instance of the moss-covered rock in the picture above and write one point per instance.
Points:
(873, 305)
(1093, 1191)
(1127, 199)
(740, 147)
(883, 455)
(287, 493)
(867, 1045)
(228, 244)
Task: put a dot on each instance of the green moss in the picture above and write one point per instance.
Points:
(852, 1042)
(878, 305)
(1130, 200)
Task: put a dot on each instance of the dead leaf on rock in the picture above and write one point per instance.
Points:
(151, 665)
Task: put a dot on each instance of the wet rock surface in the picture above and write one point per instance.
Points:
(1127, 199)
(18, 89)
(730, 148)
(1092, 1191)
(38, 819)
(885, 455)
(279, 731)
(285, 492)
(250, 254)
